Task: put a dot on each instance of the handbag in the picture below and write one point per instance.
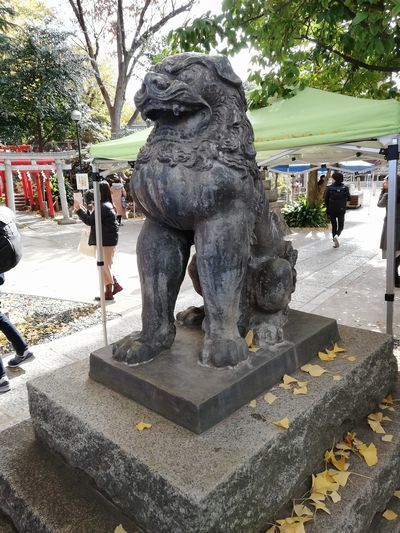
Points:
(83, 247)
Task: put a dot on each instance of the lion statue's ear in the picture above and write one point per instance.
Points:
(225, 71)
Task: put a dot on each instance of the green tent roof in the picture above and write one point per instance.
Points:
(312, 117)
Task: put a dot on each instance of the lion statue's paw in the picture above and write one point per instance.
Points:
(224, 352)
(132, 350)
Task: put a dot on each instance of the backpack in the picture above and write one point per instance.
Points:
(338, 196)
(10, 240)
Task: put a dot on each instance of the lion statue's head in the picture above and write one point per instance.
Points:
(198, 107)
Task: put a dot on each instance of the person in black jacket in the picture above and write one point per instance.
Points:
(336, 197)
(109, 227)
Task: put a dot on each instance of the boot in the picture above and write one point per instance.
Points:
(109, 292)
(117, 286)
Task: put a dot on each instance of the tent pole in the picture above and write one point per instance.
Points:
(99, 245)
(392, 156)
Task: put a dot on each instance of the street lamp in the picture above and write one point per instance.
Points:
(76, 117)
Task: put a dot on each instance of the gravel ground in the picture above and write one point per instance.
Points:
(41, 319)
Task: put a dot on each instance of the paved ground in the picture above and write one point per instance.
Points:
(347, 283)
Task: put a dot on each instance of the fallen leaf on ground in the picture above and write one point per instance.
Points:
(283, 423)
(288, 379)
(351, 358)
(300, 390)
(340, 464)
(270, 398)
(369, 453)
(337, 349)
(397, 493)
(341, 477)
(330, 356)
(387, 438)
(388, 400)
(253, 348)
(376, 416)
(335, 496)
(313, 370)
(253, 404)
(284, 386)
(323, 482)
(142, 425)
(302, 510)
(321, 506)
(249, 338)
(337, 377)
(376, 426)
(119, 529)
(389, 515)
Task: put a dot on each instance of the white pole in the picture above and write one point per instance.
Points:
(9, 185)
(63, 195)
(393, 155)
(99, 246)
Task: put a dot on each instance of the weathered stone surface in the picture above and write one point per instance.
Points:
(5, 524)
(368, 489)
(197, 397)
(233, 477)
(41, 495)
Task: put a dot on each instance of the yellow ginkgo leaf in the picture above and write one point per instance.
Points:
(397, 494)
(283, 423)
(350, 358)
(142, 425)
(300, 390)
(335, 496)
(323, 482)
(302, 510)
(386, 419)
(388, 400)
(253, 404)
(270, 398)
(369, 453)
(387, 438)
(284, 386)
(337, 377)
(313, 370)
(389, 515)
(249, 338)
(376, 416)
(119, 529)
(341, 477)
(329, 356)
(253, 348)
(302, 383)
(321, 506)
(376, 426)
(317, 497)
(288, 379)
(337, 349)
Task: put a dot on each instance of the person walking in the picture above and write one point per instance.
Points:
(383, 202)
(118, 195)
(109, 227)
(15, 338)
(336, 197)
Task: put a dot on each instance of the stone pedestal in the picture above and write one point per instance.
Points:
(175, 385)
(233, 477)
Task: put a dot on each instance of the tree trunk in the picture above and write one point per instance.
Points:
(312, 188)
(39, 135)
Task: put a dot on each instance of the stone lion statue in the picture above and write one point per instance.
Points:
(197, 182)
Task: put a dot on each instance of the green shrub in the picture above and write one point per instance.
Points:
(301, 214)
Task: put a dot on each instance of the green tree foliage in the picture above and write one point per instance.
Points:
(40, 83)
(348, 46)
(6, 15)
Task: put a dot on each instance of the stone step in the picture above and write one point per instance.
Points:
(40, 494)
(233, 477)
(369, 489)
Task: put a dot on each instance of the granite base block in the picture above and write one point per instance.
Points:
(176, 386)
(39, 494)
(233, 477)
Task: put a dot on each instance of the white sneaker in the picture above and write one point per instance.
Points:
(335, 242)
(4, 384)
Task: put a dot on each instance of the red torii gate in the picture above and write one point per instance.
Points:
(38, 165)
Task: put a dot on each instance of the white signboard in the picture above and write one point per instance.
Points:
(82, 181)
